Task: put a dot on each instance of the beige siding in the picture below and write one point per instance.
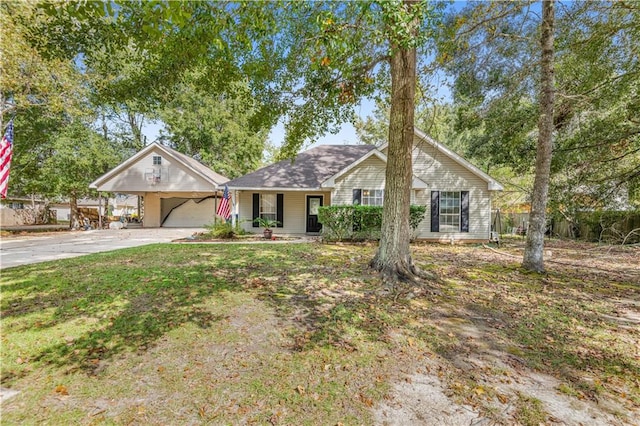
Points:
(174, 177)
(438, 171)
(441, 173)
(295, 210)
(9, 217)
(370, 174)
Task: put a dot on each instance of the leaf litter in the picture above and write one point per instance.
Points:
(313, 342)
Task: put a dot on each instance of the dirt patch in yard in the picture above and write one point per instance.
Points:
(484, 384)
(489, 366)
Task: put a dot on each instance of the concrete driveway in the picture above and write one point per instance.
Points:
(34, 248)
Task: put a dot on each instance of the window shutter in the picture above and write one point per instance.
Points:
(256, 208)
(435, 211)
(464, 211)
(280, 210)
(357, 196)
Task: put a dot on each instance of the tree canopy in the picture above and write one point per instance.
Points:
(492, 54)
(215, 129)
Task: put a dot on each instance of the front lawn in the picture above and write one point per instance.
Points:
(300, 334)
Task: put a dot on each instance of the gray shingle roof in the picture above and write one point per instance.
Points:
(308, 170)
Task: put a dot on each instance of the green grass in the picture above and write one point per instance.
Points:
(530, 411)
(209, 327)
(291, 334)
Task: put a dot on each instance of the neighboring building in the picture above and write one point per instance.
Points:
(63, 209)
(456, 193)
(123, 205)
(15, 211)
(177, 191)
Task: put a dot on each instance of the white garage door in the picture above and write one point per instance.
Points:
(187, 213)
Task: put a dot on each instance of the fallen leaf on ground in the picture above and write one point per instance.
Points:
(366, 401)
(502, 398)
(62, 390)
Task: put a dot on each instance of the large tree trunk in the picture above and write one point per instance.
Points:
(533, 253)
(393, 258)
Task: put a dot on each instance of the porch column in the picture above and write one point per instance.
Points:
(99, 210)
(152, 210)
(215, 207)
(236, 208)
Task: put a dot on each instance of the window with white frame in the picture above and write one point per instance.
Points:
(157, 160)
(268, 206)
(372, 197)
(449, 211)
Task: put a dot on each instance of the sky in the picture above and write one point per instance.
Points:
(346, 136)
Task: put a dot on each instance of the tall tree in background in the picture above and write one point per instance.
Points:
(123, 116)
(306, 63)
(45, 94)
(596, 164)
(534, 249)
(374, 130)
(492, 50)
(215, 128)
(79, 154)
(30, 79)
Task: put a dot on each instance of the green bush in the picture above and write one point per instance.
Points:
(337, 222)
(224, 230)
(367, 223)
(359, 223)
(416, 215)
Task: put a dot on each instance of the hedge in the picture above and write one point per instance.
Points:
(359, 223)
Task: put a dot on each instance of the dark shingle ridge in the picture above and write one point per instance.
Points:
(308, 170)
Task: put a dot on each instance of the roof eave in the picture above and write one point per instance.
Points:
(495, 186)
(275, 189)
(418, 183)
(144, 151)
(492, 183)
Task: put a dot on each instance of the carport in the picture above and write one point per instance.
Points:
(177, 191)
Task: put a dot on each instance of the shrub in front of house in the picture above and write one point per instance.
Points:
(359, 223)
(223, 230)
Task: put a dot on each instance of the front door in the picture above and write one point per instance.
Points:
(313, 204)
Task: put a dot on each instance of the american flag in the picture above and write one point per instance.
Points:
(6, 152)
(224, 208)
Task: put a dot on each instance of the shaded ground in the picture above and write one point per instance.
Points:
(298, 334)
(530, 349)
